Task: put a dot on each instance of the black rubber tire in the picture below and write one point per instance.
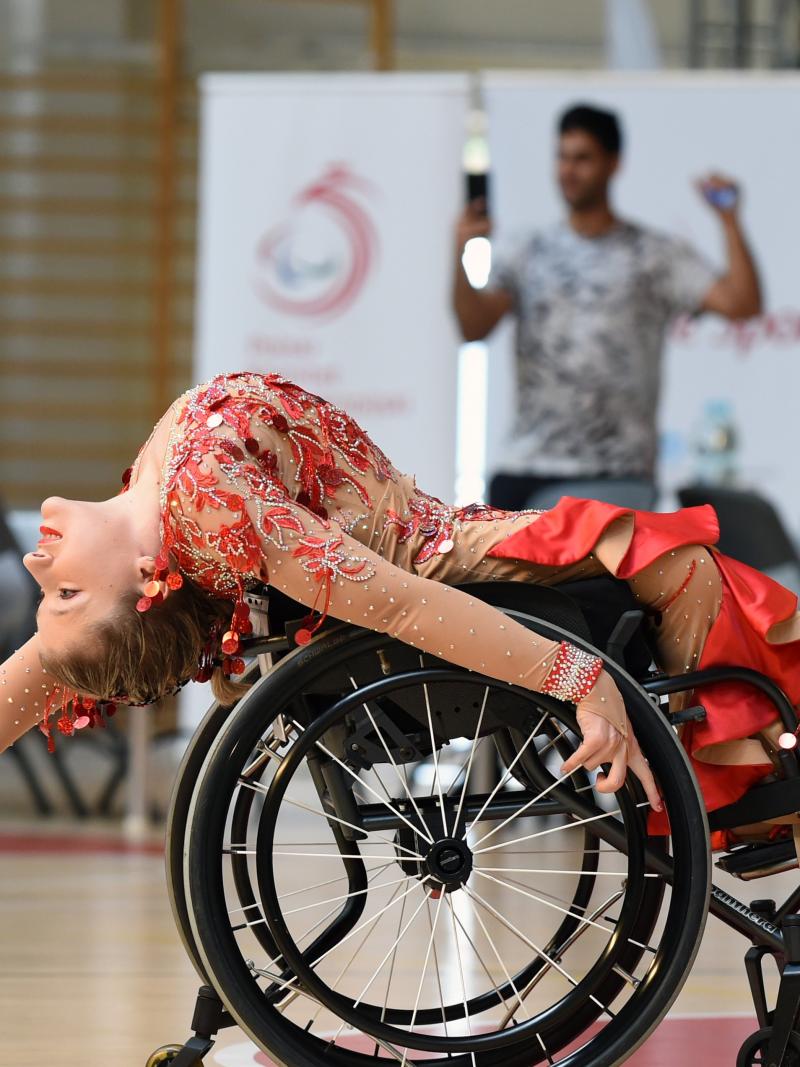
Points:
(292, 1047)
(175, 832)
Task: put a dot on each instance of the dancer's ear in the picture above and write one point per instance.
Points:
(146, 567)
(156, 581)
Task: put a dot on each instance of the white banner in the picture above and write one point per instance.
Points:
(678, 127)
(326, 213)
(325, 251)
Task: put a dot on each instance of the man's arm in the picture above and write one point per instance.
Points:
(478, 310)
(737, 294)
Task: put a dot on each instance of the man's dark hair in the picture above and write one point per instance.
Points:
(602, 125)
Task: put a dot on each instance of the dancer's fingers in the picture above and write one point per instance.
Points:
(591, 753)
(613, 779)
(600, 741)
(641, 768)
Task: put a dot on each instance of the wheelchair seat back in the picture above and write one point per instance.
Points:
(590, 609)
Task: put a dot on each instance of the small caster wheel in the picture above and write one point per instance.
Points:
(753, 1052)
(164, 1055)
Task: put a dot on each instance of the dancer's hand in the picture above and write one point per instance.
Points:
(604, 743)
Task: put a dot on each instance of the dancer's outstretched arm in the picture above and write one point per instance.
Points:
(24, 687)
(317, 564)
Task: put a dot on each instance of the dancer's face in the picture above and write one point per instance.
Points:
(584, 169)
(88, 558)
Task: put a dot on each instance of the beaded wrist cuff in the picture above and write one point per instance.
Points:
(573, 674)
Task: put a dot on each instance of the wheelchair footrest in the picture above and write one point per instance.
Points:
(756, 861)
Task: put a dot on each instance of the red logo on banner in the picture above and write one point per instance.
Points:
(315, 264)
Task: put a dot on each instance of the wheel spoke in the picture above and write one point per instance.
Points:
(554, 829)
(436, 778)
(566, 852)
(403, 779)
(347, 966)
(346, 896)
(524, 808)
(365, 785)
(361, 926)
(548, 1057)
(461, 976)
(539, 951)
(298, 990)
(561, 733)
(552, 896)
(541, 900)
(422, 971)
(392, 948)
(549, 870)
(310, 930)
(258, 788)
(436, 967)
(394, 960)
(329, 855)
(389, 796)
(506, 775)
(305, 889)
(566, 945)
(500, 960)
(472, 749)
(479, 957)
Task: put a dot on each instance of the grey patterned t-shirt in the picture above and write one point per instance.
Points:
(591, 317)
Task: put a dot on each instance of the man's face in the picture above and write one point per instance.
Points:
(584, 169)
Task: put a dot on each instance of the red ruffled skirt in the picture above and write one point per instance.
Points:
(752, 605)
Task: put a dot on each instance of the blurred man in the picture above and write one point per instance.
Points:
(593, 297)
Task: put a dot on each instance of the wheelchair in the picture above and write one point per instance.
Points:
(363, 793)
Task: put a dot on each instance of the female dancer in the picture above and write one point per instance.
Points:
(250, 479)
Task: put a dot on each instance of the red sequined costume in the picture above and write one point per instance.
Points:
(265, 482)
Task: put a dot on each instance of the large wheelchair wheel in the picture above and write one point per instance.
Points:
(535, 922)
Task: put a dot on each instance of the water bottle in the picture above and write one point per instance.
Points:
(716, 445)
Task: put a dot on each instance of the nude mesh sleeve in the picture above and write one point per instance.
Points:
(24, 688)
(315, 563)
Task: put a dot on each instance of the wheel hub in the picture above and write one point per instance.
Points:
(449, 863)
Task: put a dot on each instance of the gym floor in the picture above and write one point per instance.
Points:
(92, 971)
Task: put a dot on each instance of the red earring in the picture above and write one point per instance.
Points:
(162, 580)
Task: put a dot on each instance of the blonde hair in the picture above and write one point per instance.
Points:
(145, 656)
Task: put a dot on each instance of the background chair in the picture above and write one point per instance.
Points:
(625, 492)
(750, 530)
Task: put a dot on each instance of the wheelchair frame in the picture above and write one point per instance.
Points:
(772, 930)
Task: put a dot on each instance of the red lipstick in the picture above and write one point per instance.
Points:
(48, 535)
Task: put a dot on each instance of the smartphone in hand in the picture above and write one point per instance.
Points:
(478, 189)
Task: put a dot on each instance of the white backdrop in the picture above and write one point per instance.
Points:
(325, 246)
(677, 128)
(325, 251)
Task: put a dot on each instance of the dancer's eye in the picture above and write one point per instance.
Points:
(67, 594)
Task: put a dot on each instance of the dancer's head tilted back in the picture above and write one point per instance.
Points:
(93, 564)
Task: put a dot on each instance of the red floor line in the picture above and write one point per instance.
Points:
(55, 844)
